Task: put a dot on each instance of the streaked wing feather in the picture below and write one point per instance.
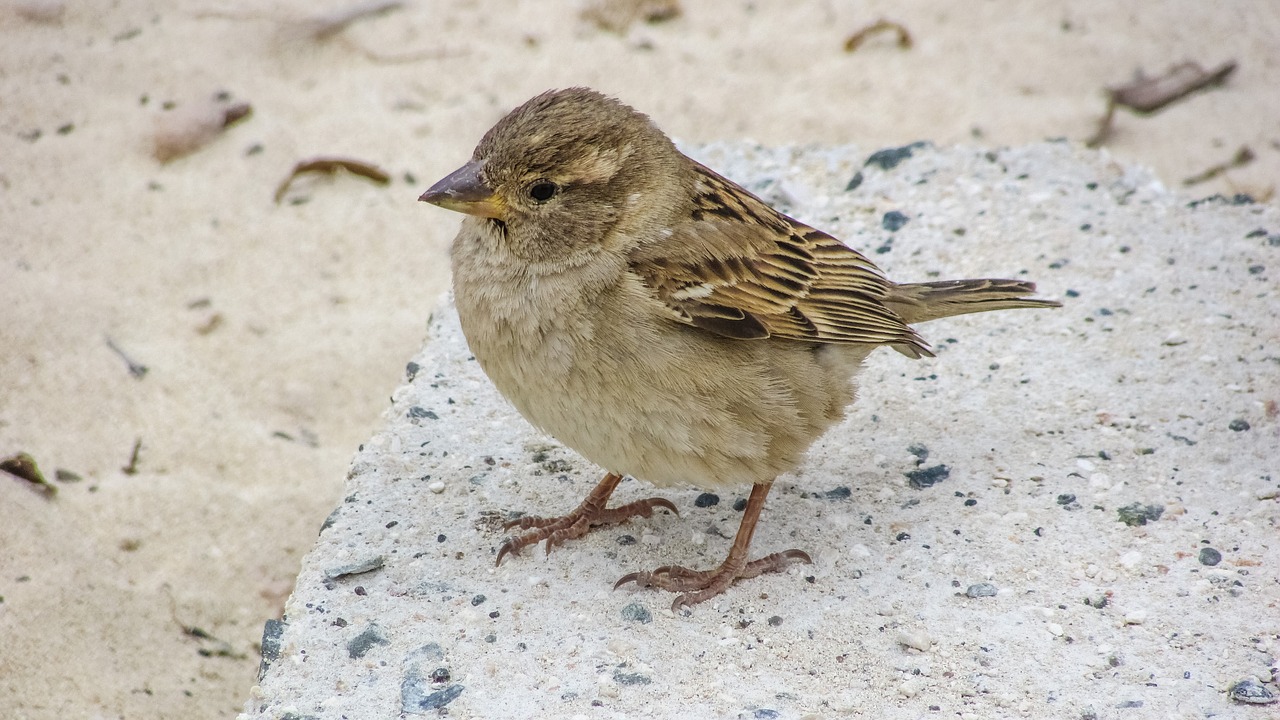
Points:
(743, 270)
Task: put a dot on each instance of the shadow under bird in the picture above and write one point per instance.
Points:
(661, 320)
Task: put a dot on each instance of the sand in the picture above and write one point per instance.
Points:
(273, 334)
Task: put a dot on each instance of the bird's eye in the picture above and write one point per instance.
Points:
(543, 190)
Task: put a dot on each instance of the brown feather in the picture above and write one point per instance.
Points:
(787, 279)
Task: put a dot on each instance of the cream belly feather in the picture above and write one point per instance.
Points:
(697, 416)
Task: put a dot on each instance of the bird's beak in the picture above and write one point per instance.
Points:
(464, 191)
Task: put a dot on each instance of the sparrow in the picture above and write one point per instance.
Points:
(662, 321)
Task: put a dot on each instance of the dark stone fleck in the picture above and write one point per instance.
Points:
(775, 621)
(902, 537)
(440, 675)
(1209, 556)
(441, 538)
(1139, 514)
(1260, 232)
(893, 221)
(417, 413)
(477, 600)
(626, 540)
(928, 477)
(271, 632)
(765, 714)
(62, 475)
(1066, 499)
(495, 615)
(1237, 199)
(360, 591)
(411, 371)
(635, 612)
(557, 465)
(1072, 293)
(1239, 425)
(1257, 269)
(706, 499)
(920, 451)
(413, 699)
(854, 182)
(1125, 704)
(889, 158)
(981, 590)
(364, 642)
(392, 524)
(970, 502)
(886, 247)
(630, 678)
(740, 504)
(840, 493)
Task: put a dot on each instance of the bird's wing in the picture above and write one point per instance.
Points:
(741, 269)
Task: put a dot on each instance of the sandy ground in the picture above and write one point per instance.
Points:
(273, 333)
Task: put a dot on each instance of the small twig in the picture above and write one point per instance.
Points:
(1146, 95)
(330, 166)
(221, 647)
(132, 467)
(854, 41)
(138, 370)
(1243, 156)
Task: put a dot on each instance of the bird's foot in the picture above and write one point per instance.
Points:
(695, 586)
(589, 514)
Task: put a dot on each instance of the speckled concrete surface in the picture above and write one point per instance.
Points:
(1010, 588)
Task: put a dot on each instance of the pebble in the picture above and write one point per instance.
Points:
(355, 568)
(1249, 690)
(1055, 629)
(1139, 514)
(1209, 556)
(635, 612)
(981, 590)
(918, 639)
(608, 688)
(1131, 559)
(928, 477)
(1135, 617)
(911, 687)
(706, 499)
(436, 487)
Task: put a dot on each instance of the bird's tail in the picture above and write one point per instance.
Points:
(920, 302)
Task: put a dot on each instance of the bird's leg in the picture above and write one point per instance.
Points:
(590, 513)
(696, 586)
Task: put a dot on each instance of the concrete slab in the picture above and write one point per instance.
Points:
(1103, 542)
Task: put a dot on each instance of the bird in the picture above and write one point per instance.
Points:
(662, 321)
